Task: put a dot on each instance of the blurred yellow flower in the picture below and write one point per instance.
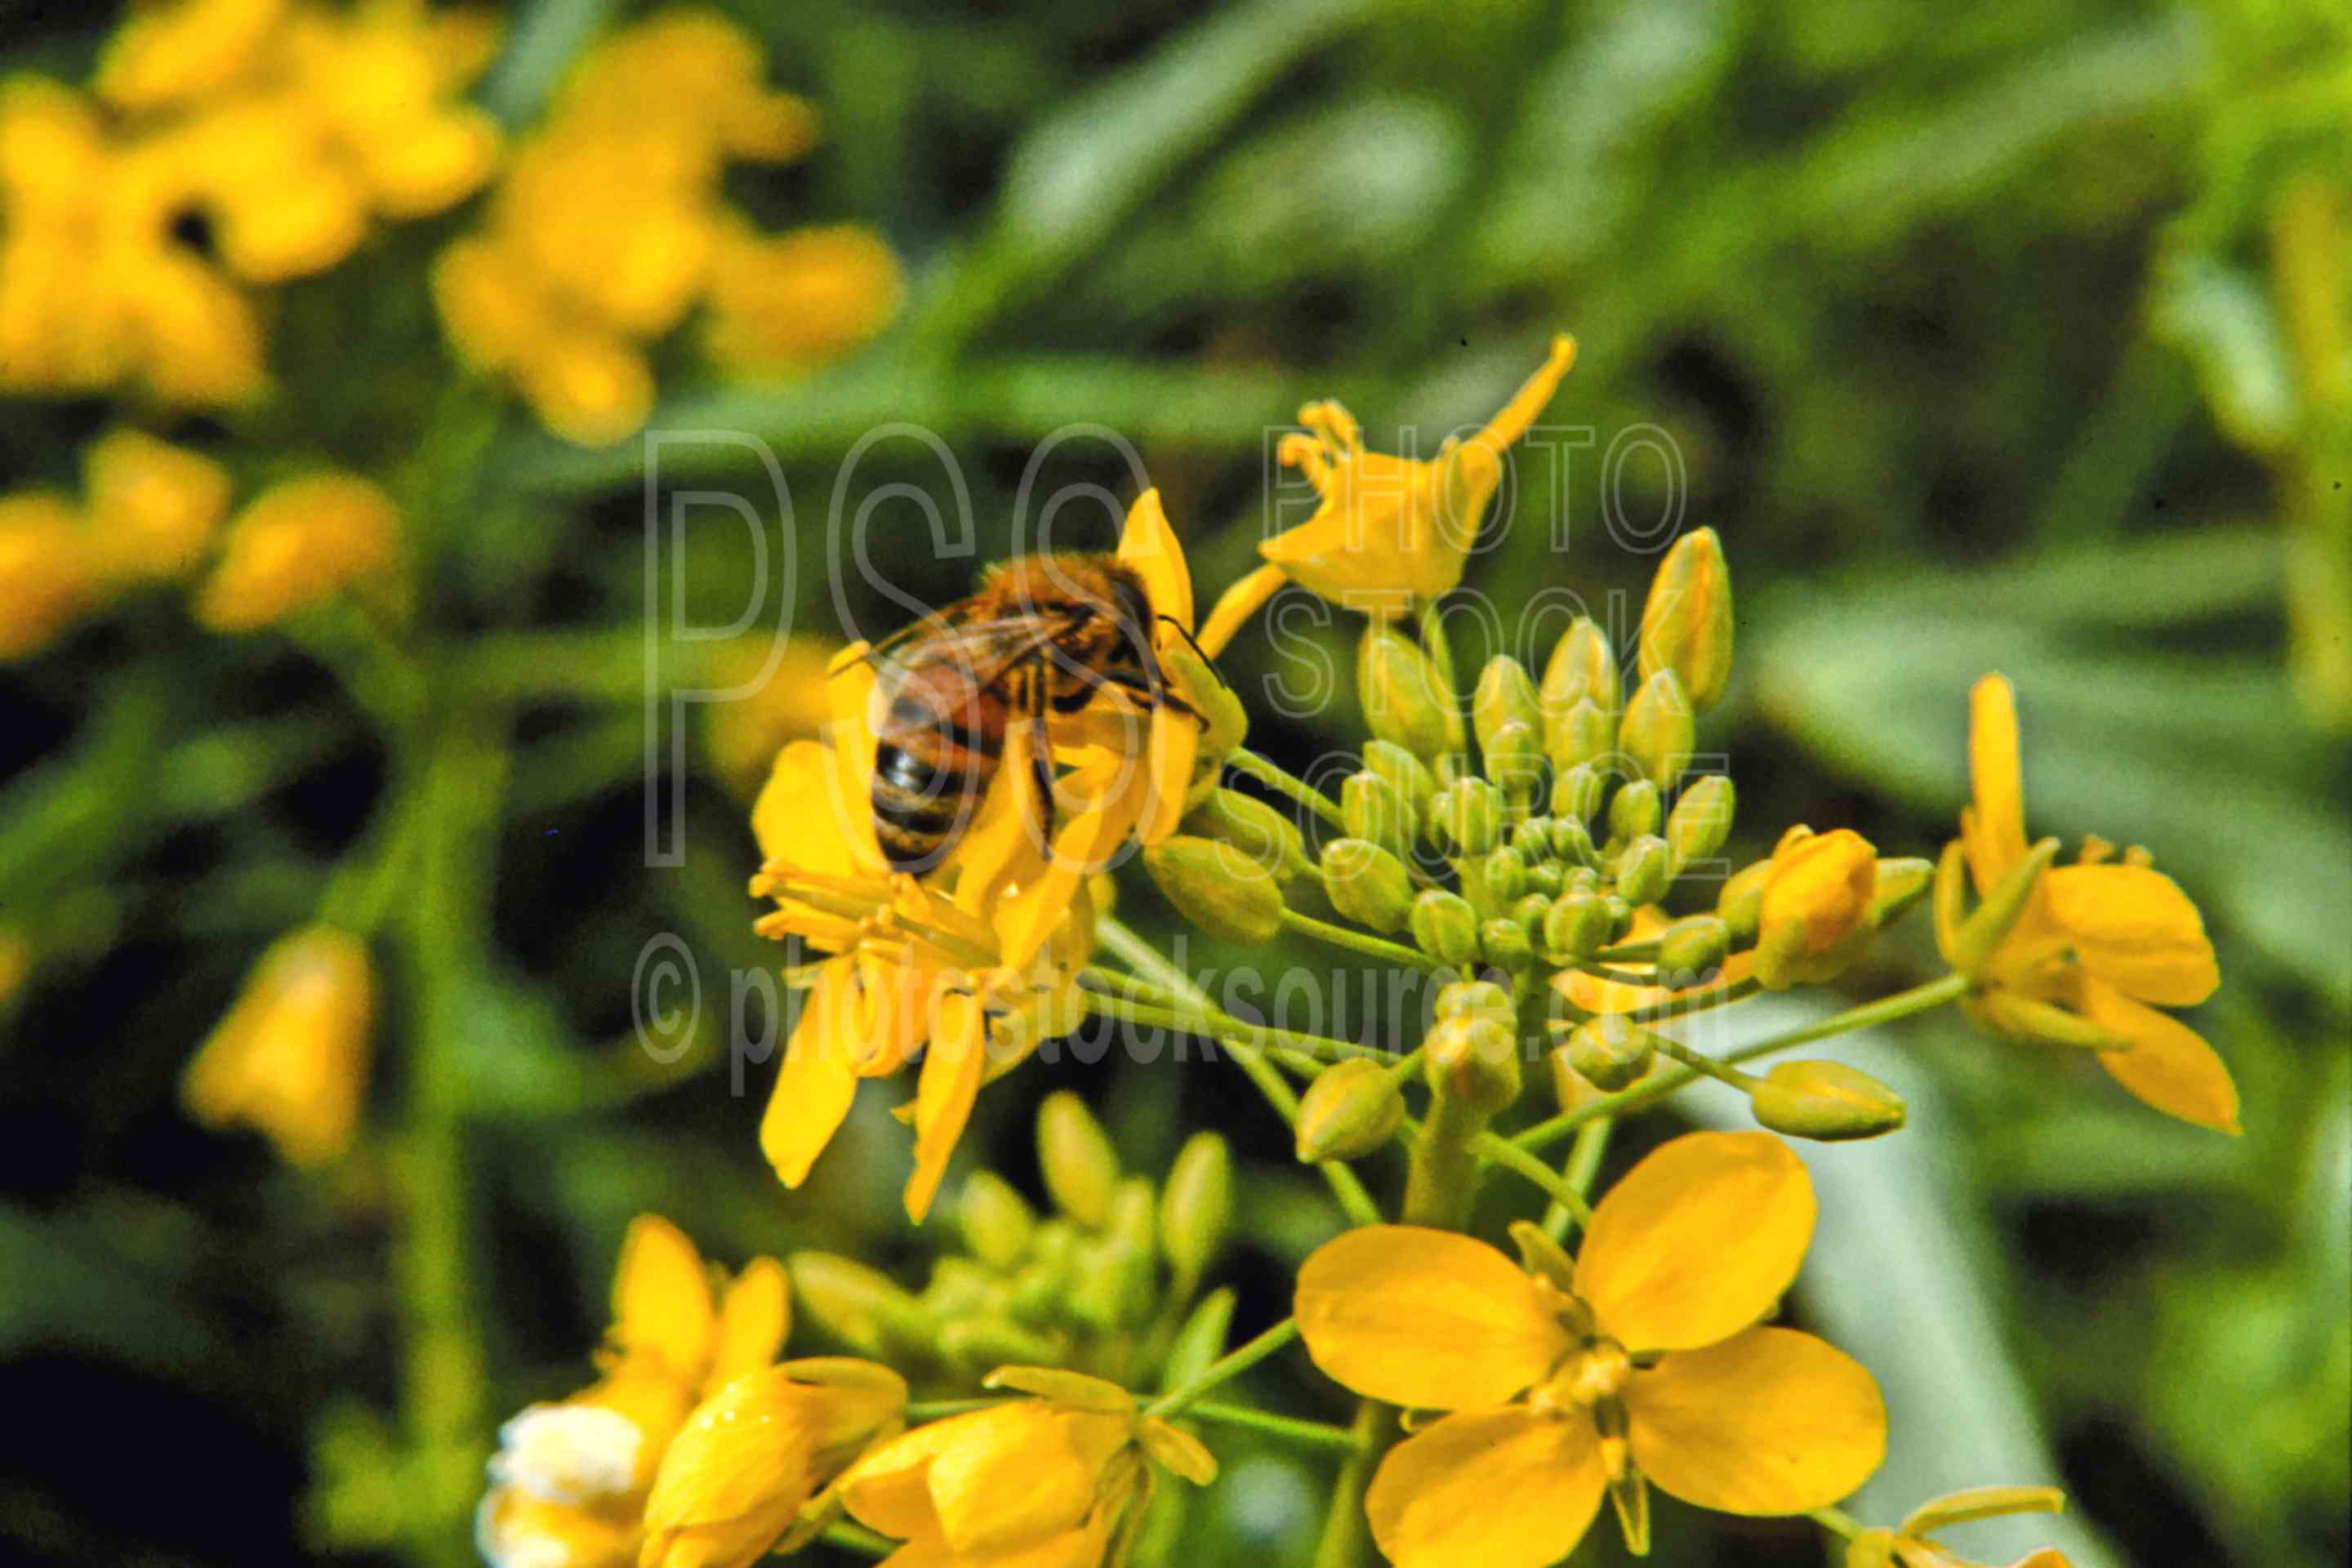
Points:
(757, 1461)
(570, 1480)
(291, 1059)
(789, 702)
(49, 577)
(170, 51)
(299, 544)
(153, 506)
(2097, 941)
(1643, 1362)
(1908, 1544)
(791, 303)
(1389, 530)
(1046, 1480)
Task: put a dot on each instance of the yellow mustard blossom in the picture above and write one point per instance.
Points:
(1389, 530)
(758, 1459)
(1643, 1360)
(1055, 1480)
(298, 544)
(153, 506)
(1909, 1544)
(176, 51)
(291, 1059)
(49, 575)
(1815, 917)
(95, 290)
(2105, 942)
(783, 700)
(570, 1480)
(791, 303)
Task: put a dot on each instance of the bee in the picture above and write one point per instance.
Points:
(1045, 635)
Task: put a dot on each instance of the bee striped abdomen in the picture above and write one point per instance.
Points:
(931, 769)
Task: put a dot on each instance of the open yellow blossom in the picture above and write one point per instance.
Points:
(49, 575)
(757, 1460)
(298, 544)
(291, 1059)
(570, 1481)
(2106, 942)
(1910, 1543)
(794, 302)
(1053, 1480)
(1389, 530)
(153, 506)
(1641, 1360)
(170, 52)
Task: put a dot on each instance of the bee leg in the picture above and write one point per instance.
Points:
(1041, 758)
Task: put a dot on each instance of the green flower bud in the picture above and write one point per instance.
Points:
(996, 1221)
(1583, 880)
(994, 1341)
(1197, 1205)
(1505, 945)
(1505, 695)
(1470, 811)
(1583, 665)
(1405, 701)
(1741, 902)
(1686, 624)
(1621, 916)
(1224, 722)
(1372, 808)
(1218, 887)
(1266, 834)
(1825, 1100)
(1352, 1109)
(1532, 910)
(1367, 884)
(1445, 926)
(863, 1309)
(1901, 884)
(1645, 870)
(1584, 733)
(964, 1287)
(1477, 999)
(1572, 842)
(1409, 775)
(1609, 1052)
(1474, 1060)
(1575, 928)
(1548, 878)
(1701, 819)
(1545, 1258)
(1695, 946)
(1513, 762)
(1507, 874)
(1081, 1167)
(1659, 730)
(1633, 810)
(1576, 793)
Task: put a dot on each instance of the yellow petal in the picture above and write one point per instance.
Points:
(753, 1320)
(796, 816)
(1698, 1241)
(819, 1077)
(661, 1298)
(1980, 1503)
(1082, 846)
(1022, 1478)
(1512, 420)
(944, 1095)
(2135, 929)
(889, 1488)
(733, 1476)
(1151, 546)
(2169, 1065)
(1770, 1422)
(1496, 1489)
(1425, 1318)
(1175, 742)
(1236, 604)
(1998, 841)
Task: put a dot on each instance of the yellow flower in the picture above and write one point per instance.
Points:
(1644, 1360)
(2098, 941)
(1816, 913)
(1389, 530)
(757, 1460)
(1044, 1481)
(154, 506)
(570, 1480)
(291, 1059)
(169, 53)
(49, 575)
(783, 700)
(1908, 1544)
(794, 302)
(298, 544)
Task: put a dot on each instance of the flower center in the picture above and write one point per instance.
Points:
(568, 1454)
(1585, 1379)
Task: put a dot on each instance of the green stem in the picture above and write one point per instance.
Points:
(1231, 1365)
(1305, 1433)
(1343, 1542)
(1371, 946)
(934, 1409)
(1696, 1001)
(1443, 1178)
(1222, 1025)
(1836, 1520)
(1510, 1155)
(1242, 760)
(1583, 1164)
(858, 1537)
(1700, 1062)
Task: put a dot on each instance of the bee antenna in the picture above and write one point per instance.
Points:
(1195, 647)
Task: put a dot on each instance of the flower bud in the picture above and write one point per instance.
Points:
(1582, 666)
(1645, 870)
(1825, 1100)
(1686, 624)
(1505, 945)
(1548, 878)
(1224, 722)
(1507, 874)
(1701, 819)
(1586, 734)
(1576, 793)
(981, 1341)
(1695, 945)
(1115, 1269)
(1080, 1167)
(1609, 1052)
(1405, 701)
(1445, 926)
(1633, 810)
(1197, 1206)
(996, 1221)
(1901, 883)
(1266, 833)
(1217, 888)
(1352, 1109)
(1505, 695)
(1514, 762)
(1407, 773)
(1470, 810)
(1572, 841)
(1577, 928)
(1477, 999)
(1531, 910)
(1370, 808)
(863, 1307)
(1815, 915)
(1621, 916)
(1659, 730)
(1367, 884)
(1474, 1060)
(1741, 902)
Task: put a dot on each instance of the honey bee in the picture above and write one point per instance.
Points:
(1045, 634)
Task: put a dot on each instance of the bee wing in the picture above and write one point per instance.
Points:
(982, 650)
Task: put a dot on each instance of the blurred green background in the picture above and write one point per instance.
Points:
(2010, 335)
